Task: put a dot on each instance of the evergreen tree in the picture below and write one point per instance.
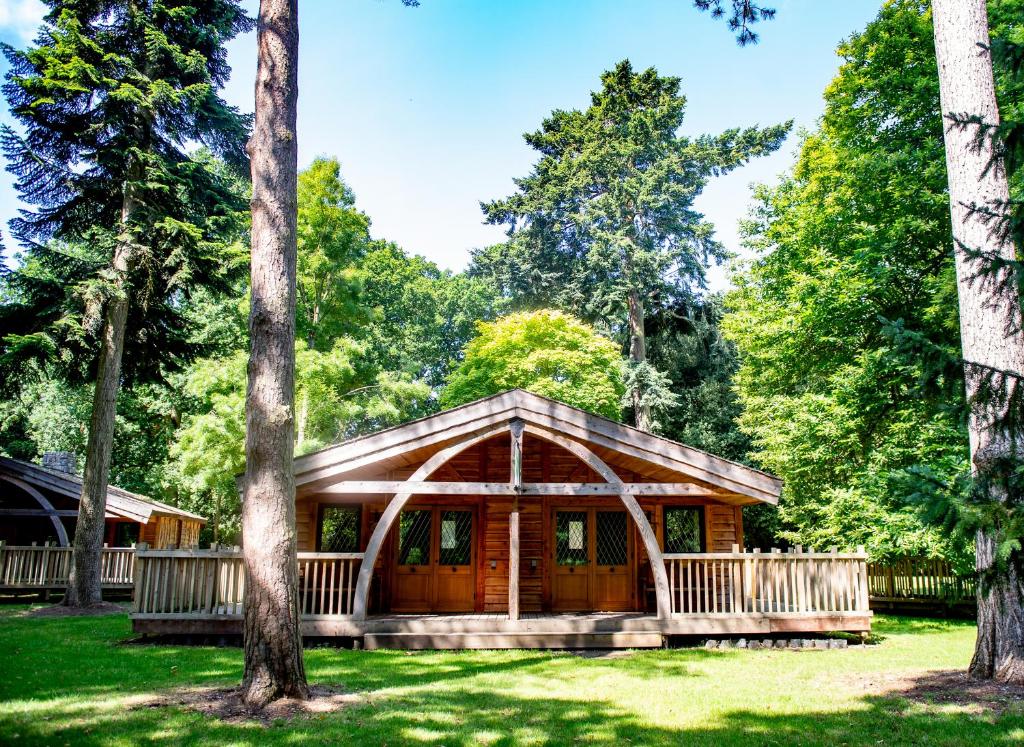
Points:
(604, 226)
(109, 99)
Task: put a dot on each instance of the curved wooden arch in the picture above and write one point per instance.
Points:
(647, 535)
(435, 462)
(387, 519)
(58, 525)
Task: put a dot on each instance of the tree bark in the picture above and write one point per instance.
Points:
(638, 354)
(990, 324)
(274, 665)
(84, 579)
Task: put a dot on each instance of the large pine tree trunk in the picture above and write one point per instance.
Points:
(273, 643)
(989, 324)
(84, 580)
(638, 354)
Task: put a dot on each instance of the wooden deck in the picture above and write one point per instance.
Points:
(590, 630)
(200, 592)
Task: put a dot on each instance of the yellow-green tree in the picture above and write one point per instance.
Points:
(546, 352)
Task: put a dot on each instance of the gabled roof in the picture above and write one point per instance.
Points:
(436, 431)
(120, 503)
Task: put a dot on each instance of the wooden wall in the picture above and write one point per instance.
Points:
(169, 531)
(542, 462)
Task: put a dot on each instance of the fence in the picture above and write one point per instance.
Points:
(47, 566)
(212, 582)
(919, 580)
(773, 582)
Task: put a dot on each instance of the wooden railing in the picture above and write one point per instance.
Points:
(793, 582)
(211, 583)
(918, 579)
(47, 566)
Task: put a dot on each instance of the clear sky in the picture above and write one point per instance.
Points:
(425, 107)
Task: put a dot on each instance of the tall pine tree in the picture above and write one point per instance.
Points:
(605, 225)
(109, 99)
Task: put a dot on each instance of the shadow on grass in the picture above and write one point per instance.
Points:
(469, 716)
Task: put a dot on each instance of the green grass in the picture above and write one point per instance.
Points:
(71, 681)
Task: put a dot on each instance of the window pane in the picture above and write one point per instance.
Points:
(571, 538)
(683, 530)
(456, 538)
(339, 529)
(611, 537)
(414, 538)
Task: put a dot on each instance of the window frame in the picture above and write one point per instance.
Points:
(322, 508)
(701, 512)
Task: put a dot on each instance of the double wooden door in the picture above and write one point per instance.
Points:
(434, 562)
(592, 563)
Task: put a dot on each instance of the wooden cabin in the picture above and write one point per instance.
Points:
(39, 505)
(520, 521)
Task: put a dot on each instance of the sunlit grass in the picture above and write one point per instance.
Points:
(73, 681)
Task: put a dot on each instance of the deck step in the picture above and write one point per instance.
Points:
(556, 639)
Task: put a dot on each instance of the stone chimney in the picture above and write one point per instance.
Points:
(61, 461)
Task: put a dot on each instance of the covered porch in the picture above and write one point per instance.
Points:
(520, 520)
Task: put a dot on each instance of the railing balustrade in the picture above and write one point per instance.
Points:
(918, 579)
(776, 582)
(47, 566)
(212, 582)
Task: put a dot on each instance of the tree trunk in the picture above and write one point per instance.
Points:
(84, 580)
(989, 325)
(638, 354)
(273, 642)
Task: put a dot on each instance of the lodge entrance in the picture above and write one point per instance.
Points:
(434, 562)
(592, 563)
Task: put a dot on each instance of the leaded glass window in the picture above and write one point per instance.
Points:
(456, 538)
(684, 529)
(414, 538)
(339, 529)
(611, 537)
(571, 538)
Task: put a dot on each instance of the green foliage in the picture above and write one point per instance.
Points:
(337, 396)
(742, 14)
(606, 215)
(332, 238)
(546, 352)
(853, 250)
(109, 102)
(419, 318)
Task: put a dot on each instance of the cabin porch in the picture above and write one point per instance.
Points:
(200, 592)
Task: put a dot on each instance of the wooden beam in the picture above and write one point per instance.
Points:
(420, 487)
(36, 512)
(58, 525)
(513, 565)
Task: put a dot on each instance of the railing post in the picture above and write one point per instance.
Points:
(3, 561)
(139, 566)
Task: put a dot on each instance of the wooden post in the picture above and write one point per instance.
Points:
(137, 593)
(516, 480)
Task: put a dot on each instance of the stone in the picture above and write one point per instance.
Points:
(710, 644)
(741, 643)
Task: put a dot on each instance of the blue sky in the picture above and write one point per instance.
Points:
(425, 107)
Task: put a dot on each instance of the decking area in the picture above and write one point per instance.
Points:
(200, 592)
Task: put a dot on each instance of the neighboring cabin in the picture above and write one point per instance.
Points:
(39, 504)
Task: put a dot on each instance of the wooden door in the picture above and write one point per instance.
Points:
(434, 570)
(570, 576)
(592, 568)
(454, 581)
(613, 570)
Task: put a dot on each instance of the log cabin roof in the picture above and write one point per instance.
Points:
(417, 439)
(121, 503)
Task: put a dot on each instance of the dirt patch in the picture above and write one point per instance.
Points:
(226, 704)
(59, 610)
(947, 688)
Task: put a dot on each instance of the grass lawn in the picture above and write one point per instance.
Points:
(70, 681)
